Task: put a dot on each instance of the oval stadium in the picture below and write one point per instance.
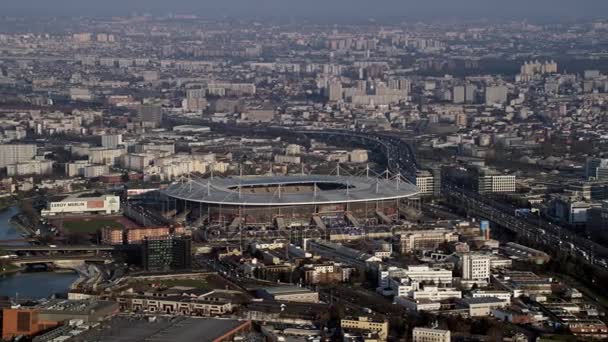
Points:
(291, 201)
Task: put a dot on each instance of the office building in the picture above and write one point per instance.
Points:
(486, 180)
(596, 168)
(428, 239)
(137, 235)
(430, 335)
(366, 325)
(425, 183)
(170, 252)
(475, 266)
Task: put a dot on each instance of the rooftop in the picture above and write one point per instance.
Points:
(183, 329)
(231, 191)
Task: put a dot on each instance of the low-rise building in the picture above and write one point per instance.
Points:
(430, 335)
(290, 294)
(428, 239)
(367, 325)
(482, 306)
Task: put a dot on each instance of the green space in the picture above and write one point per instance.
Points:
(90, 226)
(8, 268)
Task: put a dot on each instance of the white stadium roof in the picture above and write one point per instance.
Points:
(225, 191)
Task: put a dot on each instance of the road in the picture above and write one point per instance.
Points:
(401, 159)
(55, 248)
(535, 229)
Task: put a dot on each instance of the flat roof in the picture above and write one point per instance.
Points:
(285, 290)
(225, 191)
(163, 329)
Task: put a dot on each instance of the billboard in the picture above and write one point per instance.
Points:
(95, 204)
(484, 225)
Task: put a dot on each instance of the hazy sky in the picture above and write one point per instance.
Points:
(544, 9)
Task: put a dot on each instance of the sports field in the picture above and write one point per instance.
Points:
(90, 225)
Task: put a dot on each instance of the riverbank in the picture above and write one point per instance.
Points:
(17, 223)
(9, 269)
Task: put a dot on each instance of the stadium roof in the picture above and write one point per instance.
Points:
(225, 191)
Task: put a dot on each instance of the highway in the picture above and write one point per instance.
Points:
(534, 229)
(401, 159)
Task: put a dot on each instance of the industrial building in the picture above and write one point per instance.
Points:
(167, 252)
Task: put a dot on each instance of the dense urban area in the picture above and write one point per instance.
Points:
(243, 180)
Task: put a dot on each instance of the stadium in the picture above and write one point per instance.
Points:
(291, 201)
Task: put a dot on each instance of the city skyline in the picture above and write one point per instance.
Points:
(335, 10)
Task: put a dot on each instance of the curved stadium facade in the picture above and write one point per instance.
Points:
(285, 201)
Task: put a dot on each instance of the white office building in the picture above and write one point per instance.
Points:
(430, 335)
(475, 266)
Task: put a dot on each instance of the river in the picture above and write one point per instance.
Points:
(7, 230)
(32, 285)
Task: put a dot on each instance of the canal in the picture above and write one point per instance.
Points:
(32, 285)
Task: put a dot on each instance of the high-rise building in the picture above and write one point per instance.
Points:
(170, 252)
(475, 266)
(13, 154)
(496, 95)
(424, 182)
(195, 99)
(30, 167)
(111, 140)
(150, 113)
(530, 70)
(596, 168)
(458, 94)
(486, 180)
(335, 91)
(430, 335)
(470, 93)
(82, 37)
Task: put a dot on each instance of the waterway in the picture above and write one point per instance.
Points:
(7, 230)
(34, 285)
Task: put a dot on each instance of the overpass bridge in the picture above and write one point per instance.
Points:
(63, 261)
(56, 248)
